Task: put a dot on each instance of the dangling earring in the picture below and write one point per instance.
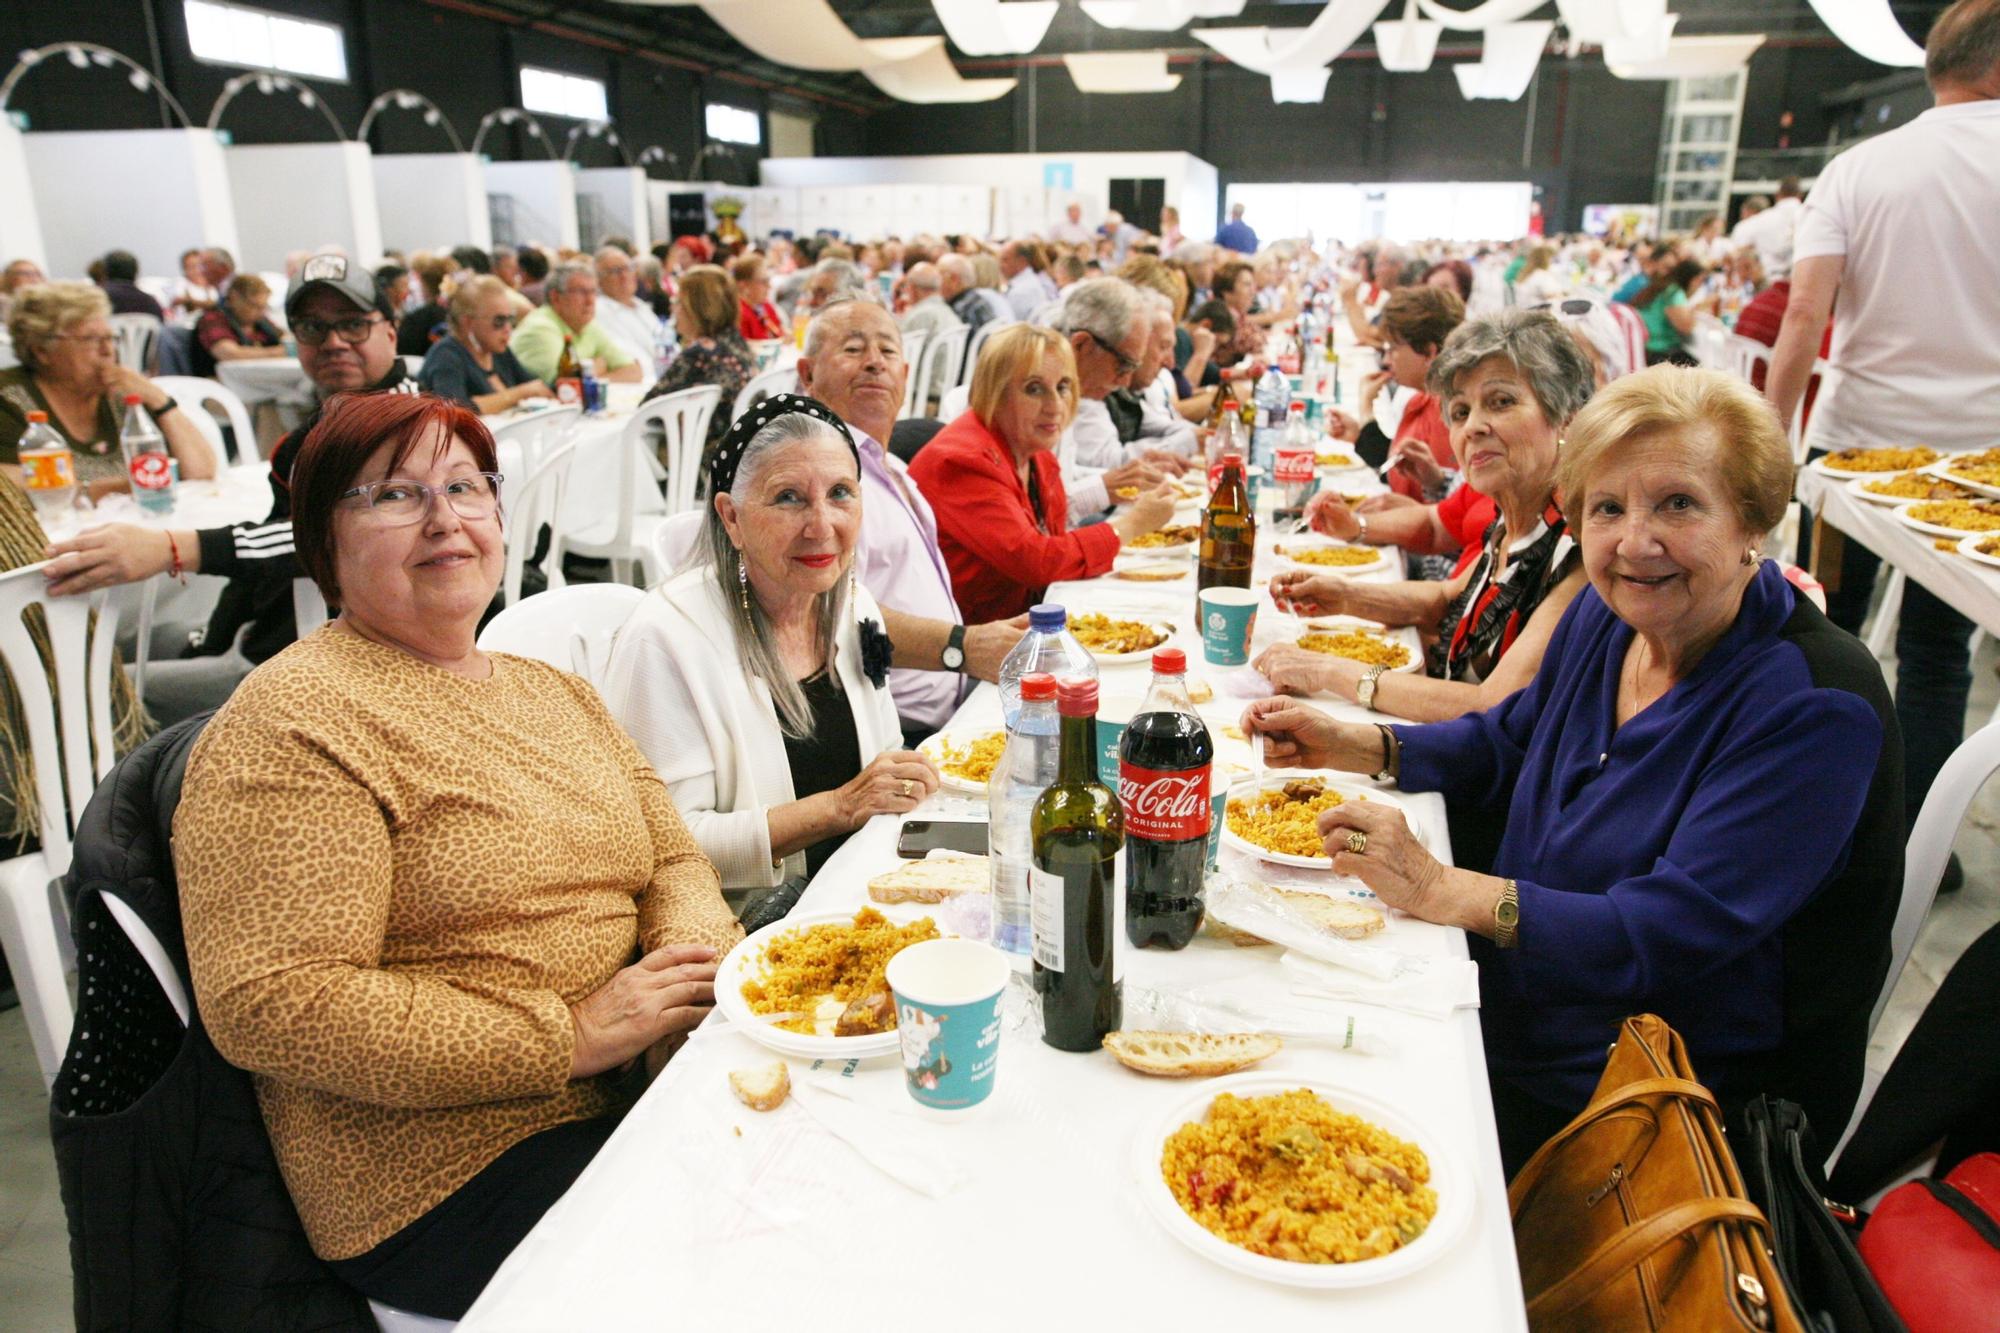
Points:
(743, 582)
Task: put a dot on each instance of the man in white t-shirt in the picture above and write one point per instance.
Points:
(1772, 230)
(629, 320)
(1899, 228)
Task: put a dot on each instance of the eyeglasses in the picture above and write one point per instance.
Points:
(1576, 305)
(1126, 365)
(399, 502)
(108, 341)
(312, 332)
(499, 321)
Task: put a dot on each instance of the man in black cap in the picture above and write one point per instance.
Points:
(347, 344)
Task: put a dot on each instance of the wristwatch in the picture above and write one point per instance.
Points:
(1361, 524)
(1364, 693)
(953, 656)
(1507, 915)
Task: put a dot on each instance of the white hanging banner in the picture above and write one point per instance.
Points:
(1121, 72)
(1158, 15)
(1267, 50)
(932, 78)
(1693, 57)
(1601, 21)
(1407, 45)
(1300, 85)
(1642, 48)
(1871, 30)
(989, 28)
(807, 34)
(1508, 56)
(1485, 17)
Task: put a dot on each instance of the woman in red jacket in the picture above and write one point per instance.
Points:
(994, 482)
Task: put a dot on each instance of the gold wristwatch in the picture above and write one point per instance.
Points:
(1364, 693)
(1507, 916)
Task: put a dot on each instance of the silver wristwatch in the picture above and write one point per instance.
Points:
(1364, 693)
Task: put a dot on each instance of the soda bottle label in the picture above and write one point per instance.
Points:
(569, 392)
(1294, 466)
(48, 471)
(1045, 889)
(152, 472)
(1164, 805)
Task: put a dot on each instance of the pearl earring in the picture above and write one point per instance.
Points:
(742, 581)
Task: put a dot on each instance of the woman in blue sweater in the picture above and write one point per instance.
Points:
(1701, 788)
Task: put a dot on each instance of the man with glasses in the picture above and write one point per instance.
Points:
(347, 344)
(630, 321)
(571, 317)
(1108, 329)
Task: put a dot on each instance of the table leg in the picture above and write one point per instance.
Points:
(1828, 545)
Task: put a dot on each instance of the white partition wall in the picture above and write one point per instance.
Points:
(153, 192)
(20, 229)
(432, 201)
(536, 200)
(301, 196)
(768, 209)
(619, 195)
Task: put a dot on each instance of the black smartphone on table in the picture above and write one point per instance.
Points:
(920, 837)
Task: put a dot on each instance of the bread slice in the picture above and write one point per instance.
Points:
(931, 881)
(1190, 1054)
(763, 1088)
(1336, 916)
(1199, 690)
(1142, 574)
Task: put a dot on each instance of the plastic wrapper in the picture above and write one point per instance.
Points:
(1257, 1004)
(1245, 905)
(1425, 985)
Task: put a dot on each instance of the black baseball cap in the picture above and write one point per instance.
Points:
(334, 273)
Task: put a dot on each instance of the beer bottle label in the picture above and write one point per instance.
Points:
(1045, 890)
(1164, 805)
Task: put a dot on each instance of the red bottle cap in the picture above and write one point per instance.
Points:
(131, 398)
(1076, 696)
(1170, 662)
(1038, 685)
(1232, 460)
(1298, 404)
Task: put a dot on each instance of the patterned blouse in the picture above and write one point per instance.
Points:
(723, 360)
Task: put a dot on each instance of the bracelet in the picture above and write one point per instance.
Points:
(1392, 754)
(1361, 520)
(171, 405)
(176, 570)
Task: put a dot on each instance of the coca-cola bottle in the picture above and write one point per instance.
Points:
(1165, 760)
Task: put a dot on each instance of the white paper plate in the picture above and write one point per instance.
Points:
(1858, 487)
(1285, 544)
(1272, 781)
(932, 748)
(1176, 566)
(1930, 529)
(1453, 1181)
(1330, 469)
(1942, 468)
(1144, 654)
(1186, 550)
(1969, 548)
(1819, 465)
(1406, 637)
(739, 966)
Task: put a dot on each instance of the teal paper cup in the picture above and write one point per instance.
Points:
(1228, 616)
(948, 1021)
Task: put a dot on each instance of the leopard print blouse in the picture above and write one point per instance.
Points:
(394, 881)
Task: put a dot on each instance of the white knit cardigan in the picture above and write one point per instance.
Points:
(679, 685)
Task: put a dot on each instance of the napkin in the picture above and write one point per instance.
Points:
(1422, 984)
(889, 1142)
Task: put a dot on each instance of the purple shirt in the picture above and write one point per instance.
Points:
(898, 561)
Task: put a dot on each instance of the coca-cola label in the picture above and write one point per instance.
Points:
(1164, 805)
(1294, 466)
(152, 472)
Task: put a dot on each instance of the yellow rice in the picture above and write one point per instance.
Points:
(974, 762)
(801, 968)
(1958, 515)
(1899, 459)
(1279, 822)
(1338, 556)
(1362, 647)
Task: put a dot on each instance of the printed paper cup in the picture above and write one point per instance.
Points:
(1228, 617)
(947, 996)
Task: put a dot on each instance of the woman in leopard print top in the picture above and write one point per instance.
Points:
(435, 899)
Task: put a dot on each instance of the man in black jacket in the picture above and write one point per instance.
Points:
(347, 344)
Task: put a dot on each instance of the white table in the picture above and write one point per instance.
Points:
(1973, 590)
(590, 498)
(703, 1214)
(280, 381)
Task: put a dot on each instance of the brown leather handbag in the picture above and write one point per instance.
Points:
(1634, 1215)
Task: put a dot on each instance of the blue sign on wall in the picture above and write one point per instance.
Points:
(1058, 176)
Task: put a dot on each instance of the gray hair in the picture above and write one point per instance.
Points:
(756, 639)
(1105, 307)
(563, 274)
(1540, 348)
(846, 276)
(1193, 252)
(818, 330)
(468, 296)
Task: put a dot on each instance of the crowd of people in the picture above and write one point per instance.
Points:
(487, 889)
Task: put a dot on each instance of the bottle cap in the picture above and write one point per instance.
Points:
(1229, 404)
(1047, 617)
(1038, 685)
(131, 398)
(1170, 662)
(1076, 696)
(42, 417)
(1232, 460)
(1298, 404)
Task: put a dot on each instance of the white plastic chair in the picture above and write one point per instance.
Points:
(1741, 356)
(621, 537)
(683, 418)
(537, 432)
(673, 544)
(1924, 857)
(977, 343)
(569, 628)
(200, 398)
(914, 346)
(535, 503)
(937, 370)
(956, 399)
(308, 607)
(413, 364)
(778, 379)
(137, 335)
(70, 744)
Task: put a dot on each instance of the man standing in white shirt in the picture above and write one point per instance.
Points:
(1071, 231)
(1911, 360)
(1108, 330)
(629, 321)
(928, 313)
(1771, 230)
(853, 362)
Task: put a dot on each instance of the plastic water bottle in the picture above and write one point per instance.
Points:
(146, 458)
(1027, 767)
(48, 469)
(1274, 395)
(1047, 646)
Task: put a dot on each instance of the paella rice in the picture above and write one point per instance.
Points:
(1359, 645)
(1917, 486)
(1102, 634)
(1288, 1176)
(1335, 460)
(1348, 557)
(1958, 515)
(1178, 535)
(815, 971)
(1982, 467)
(973, 761)
(1284, 819)
(1898, 459)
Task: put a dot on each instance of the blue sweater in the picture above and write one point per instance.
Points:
(1660, 863)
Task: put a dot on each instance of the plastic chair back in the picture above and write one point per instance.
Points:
(200, 398)
(914, 346)
(977, 342)
(308, 607)
(536, 503)
(136, 336)
(1742, 355)
(937, 369)
(683, 418)
(536, 432)
(569, 628)
(956, 399)
(673, 545)
(778, 379)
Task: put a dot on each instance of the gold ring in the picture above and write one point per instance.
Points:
(906, 788)
(1357, 841)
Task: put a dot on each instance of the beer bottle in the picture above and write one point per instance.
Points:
(569, 375)
(1078, 829)
(1228, 531)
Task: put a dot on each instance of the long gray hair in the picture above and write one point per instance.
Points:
(756, 639)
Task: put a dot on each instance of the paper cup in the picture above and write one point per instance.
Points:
(947, 996)
(1228, 617)
(1112, 716)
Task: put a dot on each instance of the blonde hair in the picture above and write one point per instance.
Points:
(1152, 273)
(1679, 405)
(469, 295)
(710, 296)
(40, 313)
(1007, 356)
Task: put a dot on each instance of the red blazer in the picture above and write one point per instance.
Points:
(1001, 563)
(758, 323)
(1423, 417)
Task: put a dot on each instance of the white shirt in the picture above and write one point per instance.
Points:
(930, 315)
(1771, 232)
(1160, 423)
(1026, 294)
(1916, 323)
(1089, 447)
(634, 327)
(899, 562)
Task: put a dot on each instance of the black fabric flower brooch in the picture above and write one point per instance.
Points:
(876, 650)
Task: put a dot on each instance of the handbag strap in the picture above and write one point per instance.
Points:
(1623, 1251)
(1624, 1094)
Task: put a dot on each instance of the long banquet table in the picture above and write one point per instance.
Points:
(701, 1213)
(1971, 589)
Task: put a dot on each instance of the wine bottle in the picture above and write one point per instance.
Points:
(1078, 829)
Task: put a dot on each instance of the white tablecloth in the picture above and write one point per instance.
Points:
(279, 381)
(700, 1213)
(1973, 590)
(591, 500)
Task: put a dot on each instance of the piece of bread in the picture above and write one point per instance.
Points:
(1343, 917)
(1242, 939)
(1190, 1054)
(931, 881)
(1199, 690)
(763, 1088)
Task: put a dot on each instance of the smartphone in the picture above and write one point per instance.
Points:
(923, 836)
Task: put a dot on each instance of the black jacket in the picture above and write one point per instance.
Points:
(178, 1218)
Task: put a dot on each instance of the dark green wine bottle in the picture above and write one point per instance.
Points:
(1078, 828)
